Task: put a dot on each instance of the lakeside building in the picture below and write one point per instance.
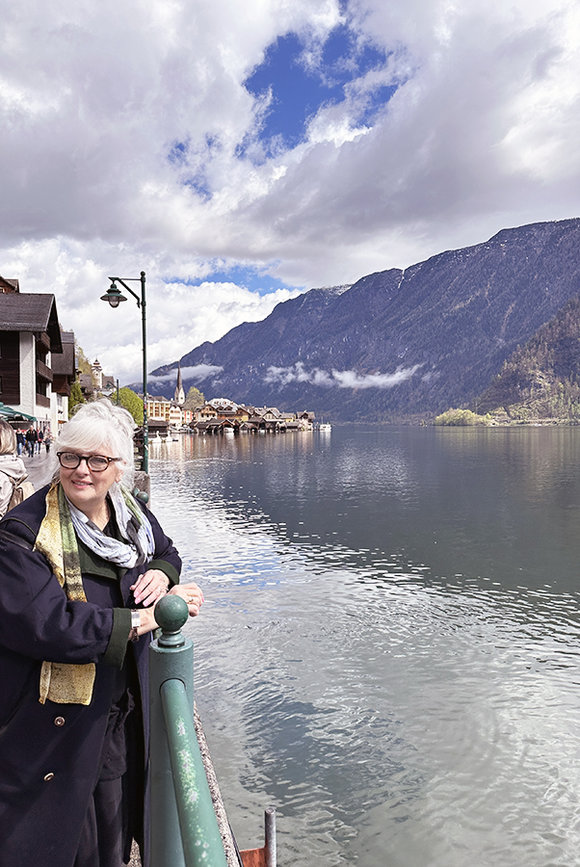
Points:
(221, 415)
(168, 411)
(37, 358)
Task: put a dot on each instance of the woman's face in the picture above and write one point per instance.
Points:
(85, 488)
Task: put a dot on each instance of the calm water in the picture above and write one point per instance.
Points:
(389, 651)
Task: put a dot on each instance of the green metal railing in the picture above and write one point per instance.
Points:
(184, 827)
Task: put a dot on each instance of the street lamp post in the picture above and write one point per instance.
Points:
(113, 296)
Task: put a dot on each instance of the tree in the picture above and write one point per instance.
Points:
(194, 398)
(76, 398)
(83, 363)
(131, 402)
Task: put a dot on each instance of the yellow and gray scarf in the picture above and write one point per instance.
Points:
(67, 683)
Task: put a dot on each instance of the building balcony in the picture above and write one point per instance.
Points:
(43, 371)
(42, 339)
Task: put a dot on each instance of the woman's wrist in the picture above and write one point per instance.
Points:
(142, 621)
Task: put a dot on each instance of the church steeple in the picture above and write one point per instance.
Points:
(179, 396)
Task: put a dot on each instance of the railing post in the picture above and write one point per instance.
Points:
(170, 656)
(270, 836)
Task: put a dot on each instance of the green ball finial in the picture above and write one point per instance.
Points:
(171, 613)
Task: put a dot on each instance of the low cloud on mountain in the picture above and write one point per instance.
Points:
(341, 378)
(197, 371)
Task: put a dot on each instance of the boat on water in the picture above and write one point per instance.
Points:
(324, 426)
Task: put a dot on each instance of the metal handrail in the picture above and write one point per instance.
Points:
(184, 827)
(200, 835)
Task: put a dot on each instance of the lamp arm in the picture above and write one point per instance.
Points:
(128, 288)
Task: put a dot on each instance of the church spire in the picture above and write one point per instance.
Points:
(179, 396)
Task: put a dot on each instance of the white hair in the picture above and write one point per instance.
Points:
(100, 427)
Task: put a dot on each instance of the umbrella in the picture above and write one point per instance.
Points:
(14, 414)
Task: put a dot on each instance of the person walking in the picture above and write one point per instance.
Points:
(83, 564)
(20, 442)
(30, 442)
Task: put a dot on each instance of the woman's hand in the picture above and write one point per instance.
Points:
(192, 594)
(150, 587)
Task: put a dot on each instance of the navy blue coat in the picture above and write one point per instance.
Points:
(50, 754)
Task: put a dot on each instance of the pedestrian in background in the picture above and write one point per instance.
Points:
(29, 442)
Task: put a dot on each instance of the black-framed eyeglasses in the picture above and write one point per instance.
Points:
(96, 463)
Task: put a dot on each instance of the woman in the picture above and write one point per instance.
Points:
(82, 565)
(12, 469)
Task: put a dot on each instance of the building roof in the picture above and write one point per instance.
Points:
(30, 312)
(63, 363)
(8, 285)
(86, 382)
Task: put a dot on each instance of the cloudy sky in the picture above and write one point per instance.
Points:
(240, 153)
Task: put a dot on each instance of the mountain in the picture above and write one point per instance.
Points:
(396, 344)
(541, 380)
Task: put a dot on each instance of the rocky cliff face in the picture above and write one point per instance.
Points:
(399, 344)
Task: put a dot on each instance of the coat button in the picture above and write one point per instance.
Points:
(48, 777)
(59, 720)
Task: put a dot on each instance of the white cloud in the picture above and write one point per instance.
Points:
(341, 378)
(195, 371)
(123, 127)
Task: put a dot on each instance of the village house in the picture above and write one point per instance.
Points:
(163, 409)
(63, 366)
(37, 363)
(221, 415)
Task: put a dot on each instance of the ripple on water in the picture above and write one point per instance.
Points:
(394, 714)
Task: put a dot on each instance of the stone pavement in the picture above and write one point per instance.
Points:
(38, 468)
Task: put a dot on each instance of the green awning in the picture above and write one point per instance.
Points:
(14, 414)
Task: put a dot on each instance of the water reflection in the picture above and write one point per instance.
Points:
(389, 651)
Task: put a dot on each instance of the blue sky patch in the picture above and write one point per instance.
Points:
(247, 276)
(299, 89)
(180, 155)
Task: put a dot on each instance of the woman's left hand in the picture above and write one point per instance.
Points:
(150, 587)
(192, 594)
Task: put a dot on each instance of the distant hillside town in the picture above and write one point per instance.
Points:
(219, 416)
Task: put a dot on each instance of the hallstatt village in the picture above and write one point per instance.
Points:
(38, 368)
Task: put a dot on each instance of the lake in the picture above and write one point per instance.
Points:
(389, 650)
